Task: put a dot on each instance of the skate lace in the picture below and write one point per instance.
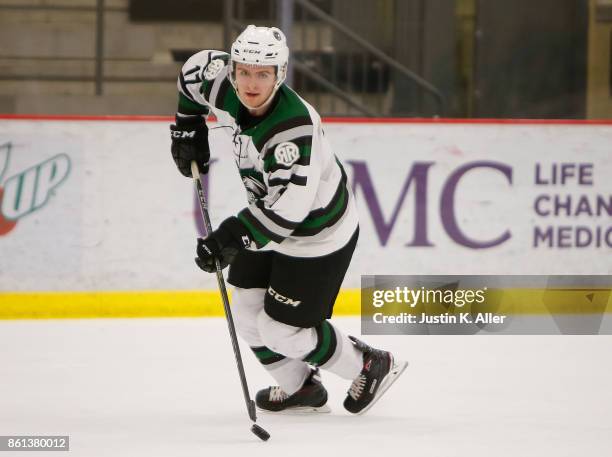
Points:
(357, 387)
(277, 394)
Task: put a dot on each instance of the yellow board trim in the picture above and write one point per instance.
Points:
(118, 304)
(207, 303)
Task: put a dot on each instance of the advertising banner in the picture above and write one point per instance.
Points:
(98, 205)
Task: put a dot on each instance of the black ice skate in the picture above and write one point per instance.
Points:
(310, 398)
(379, 371)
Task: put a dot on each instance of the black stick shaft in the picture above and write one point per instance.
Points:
(250, 404)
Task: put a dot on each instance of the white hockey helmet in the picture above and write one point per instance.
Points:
(260, 46)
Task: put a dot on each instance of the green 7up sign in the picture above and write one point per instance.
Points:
(29, 190)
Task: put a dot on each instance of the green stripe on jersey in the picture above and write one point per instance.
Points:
(205, 88)
(186, 106)
(252, 172)
(288, 107)
(321, 218)
(325, 218)
(231, 104)
(260, 239)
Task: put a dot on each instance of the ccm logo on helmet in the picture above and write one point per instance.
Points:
(182, 134)
(281, 298)
(252, 51)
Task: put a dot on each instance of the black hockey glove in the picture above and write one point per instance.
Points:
(223, 244)
(190, 142)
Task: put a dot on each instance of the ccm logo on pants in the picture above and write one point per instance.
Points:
(280, 298)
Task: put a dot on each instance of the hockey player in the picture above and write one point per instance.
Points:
(289, 249)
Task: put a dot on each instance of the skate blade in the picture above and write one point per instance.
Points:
(396, 370)
(299, 410)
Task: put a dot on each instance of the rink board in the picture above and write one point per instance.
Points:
(97, 222)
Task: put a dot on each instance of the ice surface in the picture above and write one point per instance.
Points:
(169, 387)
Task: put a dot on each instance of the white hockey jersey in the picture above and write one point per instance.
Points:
(300, 202)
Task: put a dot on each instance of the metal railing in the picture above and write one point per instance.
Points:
(356, 82)
(98, 9)
(335, 68)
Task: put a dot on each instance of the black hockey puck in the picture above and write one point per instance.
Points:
(260, 432)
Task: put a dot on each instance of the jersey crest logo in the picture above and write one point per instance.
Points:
(213, 69)
(286, 153)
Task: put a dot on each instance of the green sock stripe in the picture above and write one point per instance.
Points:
(266, 356)
(326, 345)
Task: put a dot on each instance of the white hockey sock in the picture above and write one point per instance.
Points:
(247, 304)
(335, 352)
(290, 374)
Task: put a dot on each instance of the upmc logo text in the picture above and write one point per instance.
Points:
(417, 178)
(30, 189)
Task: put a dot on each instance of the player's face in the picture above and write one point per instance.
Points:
(255, 83)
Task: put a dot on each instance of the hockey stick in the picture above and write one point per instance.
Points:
(250, 404)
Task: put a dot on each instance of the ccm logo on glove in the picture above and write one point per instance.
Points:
(182, 134)
(190, 142)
